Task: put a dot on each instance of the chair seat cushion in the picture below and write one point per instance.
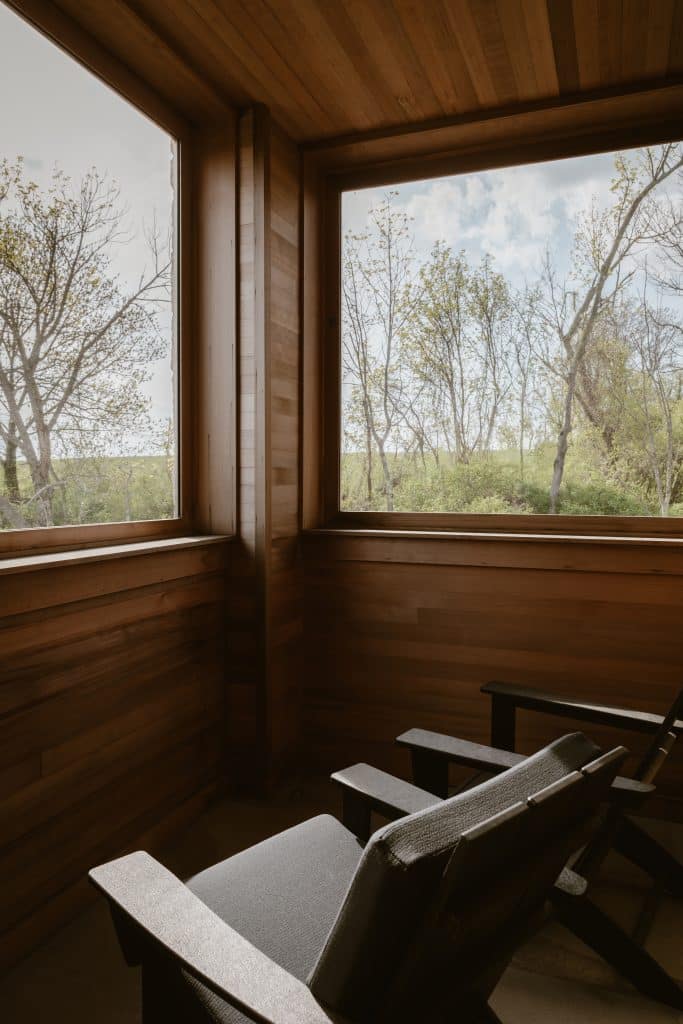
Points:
(283, 895)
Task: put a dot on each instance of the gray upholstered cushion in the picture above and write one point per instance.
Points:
(283, 895)
(399, 872)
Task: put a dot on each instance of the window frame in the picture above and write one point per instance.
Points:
(387, 173)
(35, 540)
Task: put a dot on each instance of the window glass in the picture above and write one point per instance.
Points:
(512, 340)
(88, 318)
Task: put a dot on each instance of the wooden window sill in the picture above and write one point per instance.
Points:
(80, 556)
(504, 537)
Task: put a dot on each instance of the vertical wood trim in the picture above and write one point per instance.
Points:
(254, 406)
(215, 321)
(262, 325)
(311, 286)
(269, 349)
(332, 351)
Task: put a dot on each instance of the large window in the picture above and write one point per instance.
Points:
(512, 340)
(88, 296)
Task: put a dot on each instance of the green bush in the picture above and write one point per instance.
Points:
(492, 485)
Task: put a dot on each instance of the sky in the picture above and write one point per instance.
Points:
(513, 213)
(56, 113)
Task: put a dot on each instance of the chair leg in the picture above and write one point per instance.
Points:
(634, 843)
(154, 1010)
(356, 815)
(430, 773)
(474, 1010)
(582, 917)
(487, 1016)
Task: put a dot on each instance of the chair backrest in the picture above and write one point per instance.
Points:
(440, 898)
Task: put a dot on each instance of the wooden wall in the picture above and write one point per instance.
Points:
(131, 685)
(111, 719)
(403, 630)
(264, 702)
(285, 612)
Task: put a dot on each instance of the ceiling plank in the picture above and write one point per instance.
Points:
(464, 27)
(659, 26)
(676, 40)
(610, 34)
(360, 31)
(327, 68)
(541, 43)
(515, 33)
(586, 22)
(438, 53)
(561, 18)
(247, 56)
(118, 28)
(485, 15)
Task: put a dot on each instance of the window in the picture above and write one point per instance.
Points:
(89, 307)
(512, 341)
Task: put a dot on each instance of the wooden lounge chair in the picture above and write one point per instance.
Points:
(432, 753)
(310, 927)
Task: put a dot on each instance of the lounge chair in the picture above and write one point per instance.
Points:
(310, 927)
(365, 790)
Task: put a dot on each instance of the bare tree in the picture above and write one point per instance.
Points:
(524, 347)
(658, 394)
(605, 241)
(491, 311)
(459, 345)
(376, 306)
(75, 344)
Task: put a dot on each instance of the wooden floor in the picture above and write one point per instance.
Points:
(78, 976)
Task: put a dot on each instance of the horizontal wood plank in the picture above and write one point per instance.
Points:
(112, 715)
(402, 632)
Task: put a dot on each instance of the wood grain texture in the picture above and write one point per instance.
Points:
(402, 633)
(285, 609)
(335, 68)
(213, 442)
(112, 719)
(264, 727)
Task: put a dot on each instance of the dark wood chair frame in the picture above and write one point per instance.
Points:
(366, 790)
(431, 755)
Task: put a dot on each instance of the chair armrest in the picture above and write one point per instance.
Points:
(382, 792)
(628, 793)
(452, 749)
(531, 699)
(204, 945)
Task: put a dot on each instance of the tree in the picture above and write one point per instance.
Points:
(491, 309)
(75, 343)
(657, 385)
(459, 346)
(376, 308)
(524, 343)
(440, 344)
(605, 241)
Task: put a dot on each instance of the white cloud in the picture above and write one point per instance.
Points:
(513, 213)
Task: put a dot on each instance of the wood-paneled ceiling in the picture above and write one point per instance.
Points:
(332, 67)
